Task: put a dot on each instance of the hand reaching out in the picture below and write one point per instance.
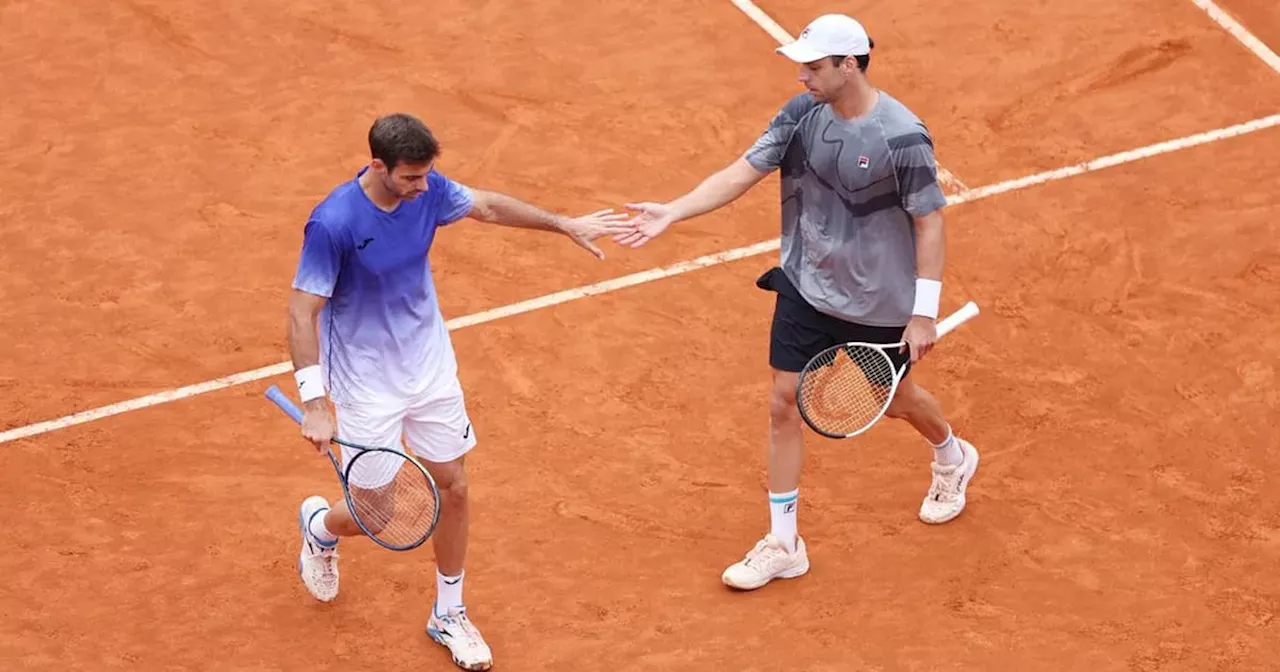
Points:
(651, 220)
(587, 228)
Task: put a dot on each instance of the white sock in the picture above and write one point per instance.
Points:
(448, 592)
(782, 516)
(948, 452)
(319, 531)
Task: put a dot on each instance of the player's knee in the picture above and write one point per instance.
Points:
(456, 491)
(782, 399)
(452, 482)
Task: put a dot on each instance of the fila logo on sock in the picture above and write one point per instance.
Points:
(789, 507)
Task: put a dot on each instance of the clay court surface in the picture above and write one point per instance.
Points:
(160, 158)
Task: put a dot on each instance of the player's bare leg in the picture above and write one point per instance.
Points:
(339, 521)
(449, 624)
(919, 408)
(786, 434)
(321, 527)
(781, 554)
(450, 536)
(955, 460)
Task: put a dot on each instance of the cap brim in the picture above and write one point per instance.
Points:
(801, 52)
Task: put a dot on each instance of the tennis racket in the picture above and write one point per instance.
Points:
(846, 389)
(391, 497)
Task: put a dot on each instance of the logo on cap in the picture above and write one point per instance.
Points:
(863, 162)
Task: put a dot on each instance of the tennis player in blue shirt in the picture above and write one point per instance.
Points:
(365, 332)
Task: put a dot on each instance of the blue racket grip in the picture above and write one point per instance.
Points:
(285, 404)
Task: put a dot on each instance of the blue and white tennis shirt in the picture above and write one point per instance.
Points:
(382, 337)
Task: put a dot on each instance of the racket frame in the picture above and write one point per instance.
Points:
(944, 326)
(291, 409)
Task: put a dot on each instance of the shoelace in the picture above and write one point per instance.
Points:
(945, 484)
(327, 557)
(463, 623)
(763, 551)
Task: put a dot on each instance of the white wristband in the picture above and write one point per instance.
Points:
(928, 294)
(310, 382)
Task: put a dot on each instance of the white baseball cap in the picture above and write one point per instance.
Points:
(828, 35)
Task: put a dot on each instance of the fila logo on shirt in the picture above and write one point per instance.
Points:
(864, 162)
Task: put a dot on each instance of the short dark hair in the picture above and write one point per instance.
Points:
(399, 137)
(863, 61)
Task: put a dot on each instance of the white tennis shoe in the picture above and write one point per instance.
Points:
(769, 560)
(317, 562)
(946, 497)
(456, 632)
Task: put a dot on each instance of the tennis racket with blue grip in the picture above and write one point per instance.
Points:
(390, 495)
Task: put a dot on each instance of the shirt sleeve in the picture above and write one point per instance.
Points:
(456, 200)
(917, 172)
(766, 154)
(320, 261)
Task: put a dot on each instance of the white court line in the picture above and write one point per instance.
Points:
(764, 21)
(948, 179)
(1240, 33)
(643, 277)
(456, 323)
(1117, 159)
(1209, 6)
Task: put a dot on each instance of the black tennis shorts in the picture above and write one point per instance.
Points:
(799, 331)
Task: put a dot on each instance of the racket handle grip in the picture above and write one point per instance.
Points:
(967, 312)
(291, 409)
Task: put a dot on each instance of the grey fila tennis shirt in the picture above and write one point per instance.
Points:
(850, 189)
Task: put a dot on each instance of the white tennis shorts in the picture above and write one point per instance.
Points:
(433, 426)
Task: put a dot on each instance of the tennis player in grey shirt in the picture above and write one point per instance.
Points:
(862, 258)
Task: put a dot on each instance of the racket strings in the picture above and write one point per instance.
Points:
(847, 388)
(401, 509)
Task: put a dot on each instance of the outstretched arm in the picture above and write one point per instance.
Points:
(720, 189)
(725, 185)
(716, 191)
(498, 208)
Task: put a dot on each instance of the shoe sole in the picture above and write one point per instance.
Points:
(789, 574)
